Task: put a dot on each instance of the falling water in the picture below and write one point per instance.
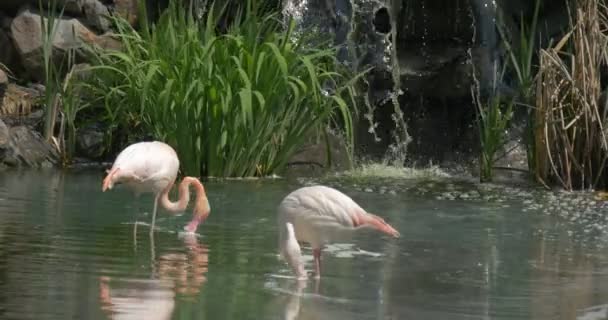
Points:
(397, 151)
(304, 14)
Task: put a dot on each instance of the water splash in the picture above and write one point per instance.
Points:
(360, 39)
(397, 151)
(381, 170)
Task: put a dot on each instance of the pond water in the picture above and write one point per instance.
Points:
(467, 252)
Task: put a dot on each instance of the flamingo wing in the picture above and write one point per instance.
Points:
(148, 166)
(319, 214)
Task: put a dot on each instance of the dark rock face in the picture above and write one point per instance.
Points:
(3, 80)
(425, 53)
(318, 155)
(89, 142)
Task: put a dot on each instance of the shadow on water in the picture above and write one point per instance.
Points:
(466, 252)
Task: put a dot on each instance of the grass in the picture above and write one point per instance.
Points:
(493, 119)
(60, 96)
(521, 50)
(52, 80)
(232, 104)
(572, 146)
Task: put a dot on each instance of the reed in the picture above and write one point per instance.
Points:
(52, 80)
(571, 134)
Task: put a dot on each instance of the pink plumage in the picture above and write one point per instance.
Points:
(320, 215)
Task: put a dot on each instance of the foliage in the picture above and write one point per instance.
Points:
(52, 79)
(73, 103)
(520, 51)
(571, 137)
(493, 118)
(233, 104)
(60, 98)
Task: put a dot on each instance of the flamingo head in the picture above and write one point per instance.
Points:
(376, 222)
(202, 209)
(109, 180)
(290, 250)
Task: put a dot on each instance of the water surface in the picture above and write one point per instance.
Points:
(67, 251)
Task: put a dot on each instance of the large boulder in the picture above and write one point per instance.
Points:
(70, 34)
(23, 147)
(317, 155)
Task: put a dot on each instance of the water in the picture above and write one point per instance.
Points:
(466, 252)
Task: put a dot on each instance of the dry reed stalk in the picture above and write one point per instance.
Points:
(570, 133)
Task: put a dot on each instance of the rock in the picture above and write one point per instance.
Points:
(70, 34)
(26, 148)
(90, 11)
(5, 21)
(436, 45)
(89, 143)
(18, 101)
(9, 57)
(312, 157)
(3, 85)
(4, 134)
(4, 141)
(96, 15)
(3, 81)
(127, 9)
(70, 7)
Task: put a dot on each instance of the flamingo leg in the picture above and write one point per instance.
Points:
(135, 234)
(152, 253)
(316, 253)
(154, 214)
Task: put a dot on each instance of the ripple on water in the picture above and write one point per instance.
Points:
(468, 251)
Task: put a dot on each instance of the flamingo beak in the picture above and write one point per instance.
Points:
(196, 220)
(393, 232)
(107, 184)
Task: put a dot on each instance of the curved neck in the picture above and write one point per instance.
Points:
(201, 203)
(290, 249)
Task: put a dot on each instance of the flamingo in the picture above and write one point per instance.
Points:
(152, 166)
(320, 215)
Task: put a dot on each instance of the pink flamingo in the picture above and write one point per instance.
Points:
(152, 167)
(320, 215)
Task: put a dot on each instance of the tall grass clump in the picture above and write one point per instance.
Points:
(571, 130)
(237, 103)
(521, 49)
(52, 73)
(494, 114)
(61, 97)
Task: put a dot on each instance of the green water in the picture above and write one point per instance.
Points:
(67, 252)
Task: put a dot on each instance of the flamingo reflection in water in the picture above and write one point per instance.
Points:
(176, 273)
